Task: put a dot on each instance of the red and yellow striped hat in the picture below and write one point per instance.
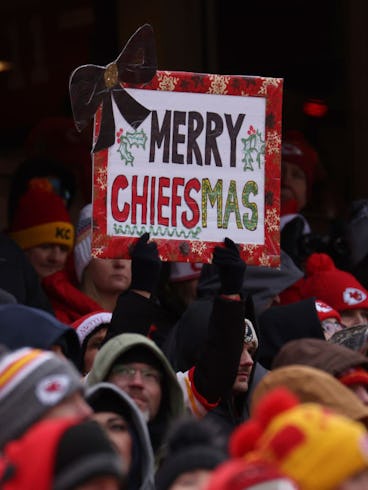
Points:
(41, 217)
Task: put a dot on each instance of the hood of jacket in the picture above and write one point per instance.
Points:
(280, 324)
(332, 358)
(143, 466)
(116, 347)
(24, 326)
(262, 283)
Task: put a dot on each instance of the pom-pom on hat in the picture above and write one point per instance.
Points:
(41, 217)
(337, 288)
(82, 249)
(236, 474)
(304, 440)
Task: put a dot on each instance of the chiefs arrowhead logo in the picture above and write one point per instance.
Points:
(322, 307)
(52, 389)
(353, 296)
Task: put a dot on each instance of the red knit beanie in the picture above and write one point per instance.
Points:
(339, 289)
(41, 217)
(324, 311)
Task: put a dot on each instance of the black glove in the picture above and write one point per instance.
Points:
(230, 266)
(146, 265)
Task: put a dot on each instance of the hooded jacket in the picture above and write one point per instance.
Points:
(172, 404)
(280, 324)
(24, 326)
(141, 474)
(219, 324)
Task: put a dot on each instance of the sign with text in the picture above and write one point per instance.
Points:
(203, 164)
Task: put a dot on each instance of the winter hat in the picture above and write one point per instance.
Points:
(296, 149)
(337, 288)
(312, 385)
(236, 474)
(37, 380)
(191, 445)
(250, 336)
(184, 271)
(58, 454)
(315, 447)
(89, 324)
(41, 217)
(82, 248)
(84, 451)
(325, 312)
(330, 319)
(24, 326)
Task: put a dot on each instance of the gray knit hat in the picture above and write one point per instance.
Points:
(32, 381)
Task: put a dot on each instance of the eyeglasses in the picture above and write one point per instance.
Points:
(127, 373)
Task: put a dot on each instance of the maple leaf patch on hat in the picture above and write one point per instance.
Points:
(52, 389)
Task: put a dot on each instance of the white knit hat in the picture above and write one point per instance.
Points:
(85, 325)
(82, 248)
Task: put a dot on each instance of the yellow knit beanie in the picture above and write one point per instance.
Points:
(317, 448)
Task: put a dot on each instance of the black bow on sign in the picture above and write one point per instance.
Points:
(91, 85)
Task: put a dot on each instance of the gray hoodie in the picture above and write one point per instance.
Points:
(141, 475)
(172, 404)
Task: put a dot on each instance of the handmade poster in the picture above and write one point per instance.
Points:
(190, 158)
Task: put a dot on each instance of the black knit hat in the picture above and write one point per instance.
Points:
(191, 445)
(84, 452)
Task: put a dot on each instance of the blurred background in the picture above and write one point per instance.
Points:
(319, 48)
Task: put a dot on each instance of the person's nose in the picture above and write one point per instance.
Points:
(120, 263)
(246, 358)
(136, 379)
(56, 254)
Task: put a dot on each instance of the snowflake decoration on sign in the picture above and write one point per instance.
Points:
(273, 82)
(102, 178)
(249, 249)
(166, 82)
(218, 84)
(272, 219)
(264, 260)
(274, 142)
(198, 247)
(254, 149)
